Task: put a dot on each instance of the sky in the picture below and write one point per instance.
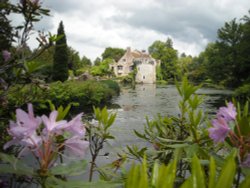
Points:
(93, 25)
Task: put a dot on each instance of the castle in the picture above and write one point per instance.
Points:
(144, 64)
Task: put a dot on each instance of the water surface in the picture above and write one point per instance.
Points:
(134, 104)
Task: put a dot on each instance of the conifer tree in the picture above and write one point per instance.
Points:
(61, 58)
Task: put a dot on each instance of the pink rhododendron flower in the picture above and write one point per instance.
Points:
(37, 135)
(76, 126)
(76, 146)
(51, 125)
(219, 131)
(23, 131)
(25, 125)
(6, 55)
(33, 141)
(229, 112)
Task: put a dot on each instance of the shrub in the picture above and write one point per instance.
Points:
(86, 94)
(112, 85)
(243, 92)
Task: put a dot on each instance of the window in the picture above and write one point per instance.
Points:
(131, 68)
(143, 77)
(124, 60)
(120, 67)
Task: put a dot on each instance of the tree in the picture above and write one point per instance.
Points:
(102, 69)
(97, 61)
(74, 59)
(85, 62)
(224, 55)
(165, 52)
(113, 53)
(183, 64)
(61, 58)
(6, 35)
(244, 67)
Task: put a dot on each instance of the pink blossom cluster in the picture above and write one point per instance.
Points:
(220, 128)
(38, 135)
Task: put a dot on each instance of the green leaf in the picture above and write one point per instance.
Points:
(51, 105)
(198, 179)
(166, 175)
(177, 145)
(111, 120)
(14, 166)
(228, 172)
(140, 135)
(244, 124)
(62, 112)
(191, 150)
(188, 183)
(71, 169)
(171, 140)
(137, 176)
(212, 173)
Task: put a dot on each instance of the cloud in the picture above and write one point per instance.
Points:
(91, 26)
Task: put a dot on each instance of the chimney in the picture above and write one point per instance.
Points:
(128, 49)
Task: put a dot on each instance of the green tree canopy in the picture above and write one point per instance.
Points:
(74, 59)
(244, 67)
(102, 69)
(85, 62)
(61, 58)
(165, 52)
(97, 61)
(224, 55)
(113, 53)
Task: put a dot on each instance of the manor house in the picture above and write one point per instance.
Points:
(144, 64)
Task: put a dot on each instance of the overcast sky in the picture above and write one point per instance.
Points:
(93, 25)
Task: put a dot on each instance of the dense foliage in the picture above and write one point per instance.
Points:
(165, 52)
(6, 35)
(228, 53)
(113, 53)
(83, 94)
(61, 58)
(103, 68)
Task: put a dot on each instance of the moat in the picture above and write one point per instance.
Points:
(134, 104)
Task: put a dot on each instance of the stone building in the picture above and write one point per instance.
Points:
(144, 64)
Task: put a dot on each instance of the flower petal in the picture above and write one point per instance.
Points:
(76, 146)
(219, 131)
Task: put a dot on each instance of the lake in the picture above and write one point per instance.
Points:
(134, 104)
